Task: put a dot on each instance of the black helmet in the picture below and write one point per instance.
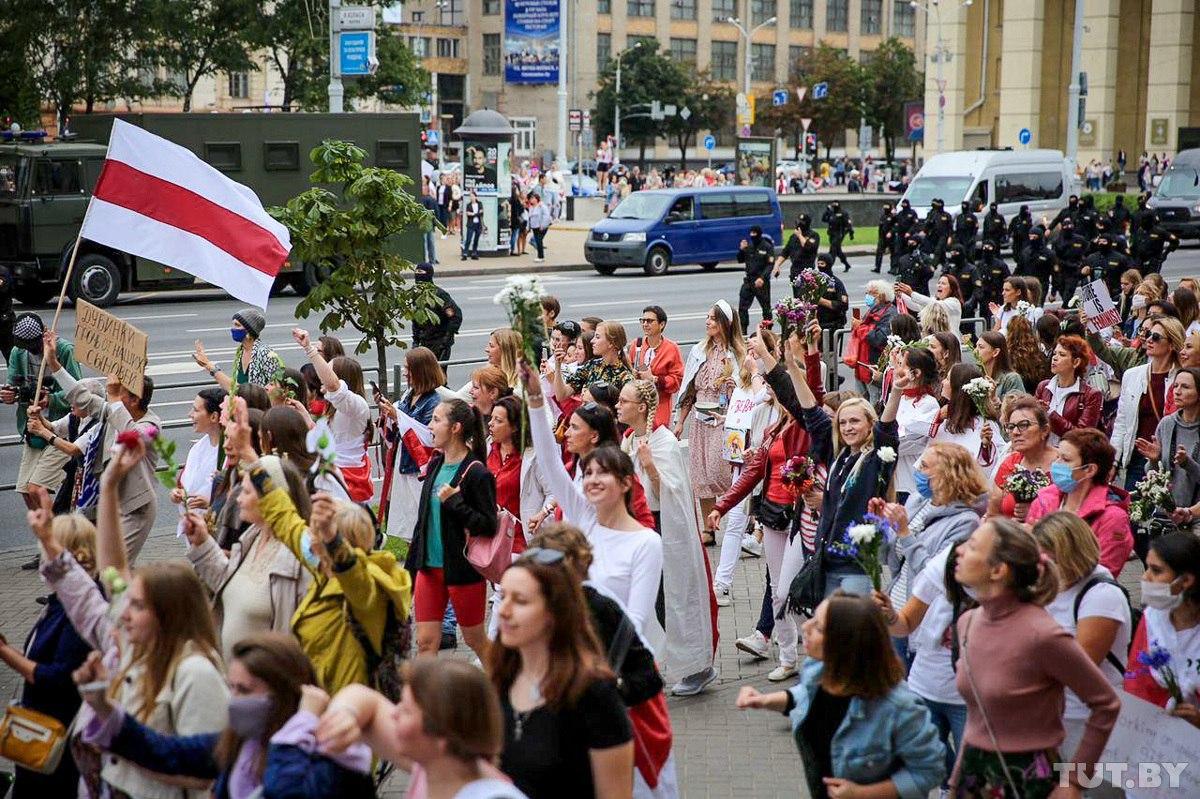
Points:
(906, 203)
(803, 221)
(966, 206)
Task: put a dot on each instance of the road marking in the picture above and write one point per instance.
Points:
(157, 316)
(294, 323)
(606, 302)
(176, 368)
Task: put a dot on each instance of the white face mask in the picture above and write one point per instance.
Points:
(1138, 301)
(1159, 596)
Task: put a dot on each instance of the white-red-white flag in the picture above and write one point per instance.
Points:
(157, 200)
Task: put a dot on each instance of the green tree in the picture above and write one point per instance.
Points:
(647, 75)
(400, 79)
(18, 92)
(890, 81)
(841, 109)
(712, 108)
(197, 38)
(370, 287)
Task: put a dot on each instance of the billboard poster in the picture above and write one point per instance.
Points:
(756, 161)
(914, 120)
(488, 239)
(531, 41)
(504, 194)
(479, 168)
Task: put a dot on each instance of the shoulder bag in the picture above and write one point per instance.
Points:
(491, 555)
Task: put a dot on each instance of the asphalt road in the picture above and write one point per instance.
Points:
(174, 321)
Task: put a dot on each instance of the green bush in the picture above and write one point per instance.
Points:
(1105, 200)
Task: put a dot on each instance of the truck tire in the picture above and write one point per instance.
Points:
(96, 280)
(708, 267)
(605, 269)
(658, 261)
(33, 294)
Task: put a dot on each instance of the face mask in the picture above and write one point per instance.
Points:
(1138, 301)
(238, 334)
(869, 301)
(924, 488)
(1060, 475)
(1159, 596)
(306, 550)
(248, 715)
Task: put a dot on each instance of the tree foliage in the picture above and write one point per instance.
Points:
(712, 108)
(647, 75)
(370, 287)
(841, 109)
(196, 38)
(891, 80)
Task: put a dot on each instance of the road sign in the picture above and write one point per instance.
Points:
(743, 109)
(1025, 136)
(780, 97)
(587, 118)
(685, 113)
(820, 91)
(710, 142)
(865, 134)
(805, 122)
(800, 92)
(669, 109)
(426, 116)
(356, 18)
(575, 119)
(433, 137)
(356, 52)
(745, 130)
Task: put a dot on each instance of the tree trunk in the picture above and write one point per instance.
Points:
(187, 100)
(796, 140)
(642, 154)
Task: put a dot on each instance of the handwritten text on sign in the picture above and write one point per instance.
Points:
(1098, 306)
(1146, 735)
(110, 345)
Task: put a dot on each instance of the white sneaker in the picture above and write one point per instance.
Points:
(538, 260)
(695, 683)
(755, 644)
(722, 592)
(781, 672)
(752, 546)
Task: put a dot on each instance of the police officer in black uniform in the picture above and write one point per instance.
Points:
(1105, 263)
(801, 250)
(966, 226)
(438, 335)
(837, 224)
(916, 266)
(1154, 244)
(1018, 231)
(887, 224)
(939, 227)
(1120, 217)
(993, 226)
(990, 273)
(906, 220)
(1069, 250)
(831, 309)
(1037, 259)
(757, 253)
(961, 266)
(1087, 221)
(1069, 212)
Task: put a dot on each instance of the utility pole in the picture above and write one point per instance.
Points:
(940, 56)
(561, 151)
(747, 35)
(617, 111)
(1073, 120)
(336, 93)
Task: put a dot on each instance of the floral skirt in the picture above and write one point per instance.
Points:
(981, 775)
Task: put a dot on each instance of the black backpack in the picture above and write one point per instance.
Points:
(384, 666)
(1135, 614)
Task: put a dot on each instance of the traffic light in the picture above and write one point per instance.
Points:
(810, 145)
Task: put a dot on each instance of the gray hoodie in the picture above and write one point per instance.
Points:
(1173, 433)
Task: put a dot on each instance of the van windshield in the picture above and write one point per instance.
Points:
(1180, 182)
(12, 174)
(640, 205)
(924, 190)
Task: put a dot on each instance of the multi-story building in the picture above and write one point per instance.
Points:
(1009, 68)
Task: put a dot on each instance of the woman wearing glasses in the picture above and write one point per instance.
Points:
(1070, 401)
(1079, 485)
(656, 358)
(1145, 389)
(1028, 429)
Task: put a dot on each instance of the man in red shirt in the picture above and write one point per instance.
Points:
(656, 358)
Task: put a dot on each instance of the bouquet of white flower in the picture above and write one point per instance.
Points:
(864, 542)
(521, 298)
(1024, 308)
(1152, 492)
(980, 391)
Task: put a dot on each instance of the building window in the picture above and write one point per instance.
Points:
(837, 15)
(420, 45)
(866, 57)
(452, 12)
(239, 85)
(524, 134)
(904, 20)
(800, 14)
(603, 50)
(684, 51)
(491, 8)
(761, 11)
(447, 48)
(762, 57)
(797, 53)
(683, 9)
(723, 10)
(603, 6)
(724, 61)
(491, 54)
(641, 8)
(644, 41)
(872, 16)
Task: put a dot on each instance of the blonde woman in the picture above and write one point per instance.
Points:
(709, 376)
(503, 350)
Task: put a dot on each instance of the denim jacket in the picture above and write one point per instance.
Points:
(889, 738)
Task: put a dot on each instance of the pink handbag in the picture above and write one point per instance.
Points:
(492, 555)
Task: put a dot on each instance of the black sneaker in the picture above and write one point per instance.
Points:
(449, 641)
(41, 600)
(31, 565)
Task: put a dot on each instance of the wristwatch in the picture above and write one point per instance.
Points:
(213, 371)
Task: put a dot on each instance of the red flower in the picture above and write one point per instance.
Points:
(129, 438)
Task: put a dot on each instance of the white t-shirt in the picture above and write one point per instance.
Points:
(489, 789)
(914, 418)
(1103, 601)
(349, 425)
(932, 672)
(198, 469)
(971, 440)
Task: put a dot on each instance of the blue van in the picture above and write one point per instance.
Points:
(656, 228)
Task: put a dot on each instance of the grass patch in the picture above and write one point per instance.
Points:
(397, 546)
(862, 235)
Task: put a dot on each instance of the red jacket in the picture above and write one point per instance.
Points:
(1106, 510)
(667, 368)
(1082, 409)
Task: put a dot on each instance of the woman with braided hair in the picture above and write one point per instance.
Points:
(687, 608)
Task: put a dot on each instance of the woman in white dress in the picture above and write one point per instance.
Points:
(961, 423)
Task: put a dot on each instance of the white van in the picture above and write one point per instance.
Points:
(1040, 179)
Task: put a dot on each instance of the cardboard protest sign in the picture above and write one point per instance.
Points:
(1098, 306)
(110, 345)
(1151, 753)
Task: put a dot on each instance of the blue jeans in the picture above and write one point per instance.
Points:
(449, 621)
(471, 241)
(849, 579)
(950, 721)
(430, 248)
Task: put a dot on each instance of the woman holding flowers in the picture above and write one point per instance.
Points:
(947, 295)
(992, 352)
(916, 413)
(1069, 400)
(1015, 664)
(1145, 389)
(1079, 485)
(964, 418)
(406, 453)
(1175, 447)
(1017, 301)
(1026, 469)
(1164, 663)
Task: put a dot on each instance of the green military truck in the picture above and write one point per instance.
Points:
(45, 188)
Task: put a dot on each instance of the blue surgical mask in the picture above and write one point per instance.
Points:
(238, 334)
(306, 550)
(924, 487)
(1060, 475)
(869, 301)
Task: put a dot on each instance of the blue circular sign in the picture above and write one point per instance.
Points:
(710, 142)
(1025, 136)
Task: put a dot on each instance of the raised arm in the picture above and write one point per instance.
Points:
(575, 507)
(110, 542)
(204, 362)
(330, 382)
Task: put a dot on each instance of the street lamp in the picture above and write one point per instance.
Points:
(940, 55)
(617, 109)
(748, 35)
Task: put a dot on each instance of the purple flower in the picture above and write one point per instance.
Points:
(1155, 657)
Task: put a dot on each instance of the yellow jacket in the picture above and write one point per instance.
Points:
(363, 583)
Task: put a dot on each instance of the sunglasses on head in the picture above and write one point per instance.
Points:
(541, 556)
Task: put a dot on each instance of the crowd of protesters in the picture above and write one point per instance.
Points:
(942, 536)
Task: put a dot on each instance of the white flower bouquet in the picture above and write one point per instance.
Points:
(521, 298)
(980, 391)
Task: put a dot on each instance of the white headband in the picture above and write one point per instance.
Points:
(725, 309)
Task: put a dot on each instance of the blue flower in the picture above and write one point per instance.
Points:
(1155, 657)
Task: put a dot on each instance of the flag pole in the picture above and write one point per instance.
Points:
(58, 311)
